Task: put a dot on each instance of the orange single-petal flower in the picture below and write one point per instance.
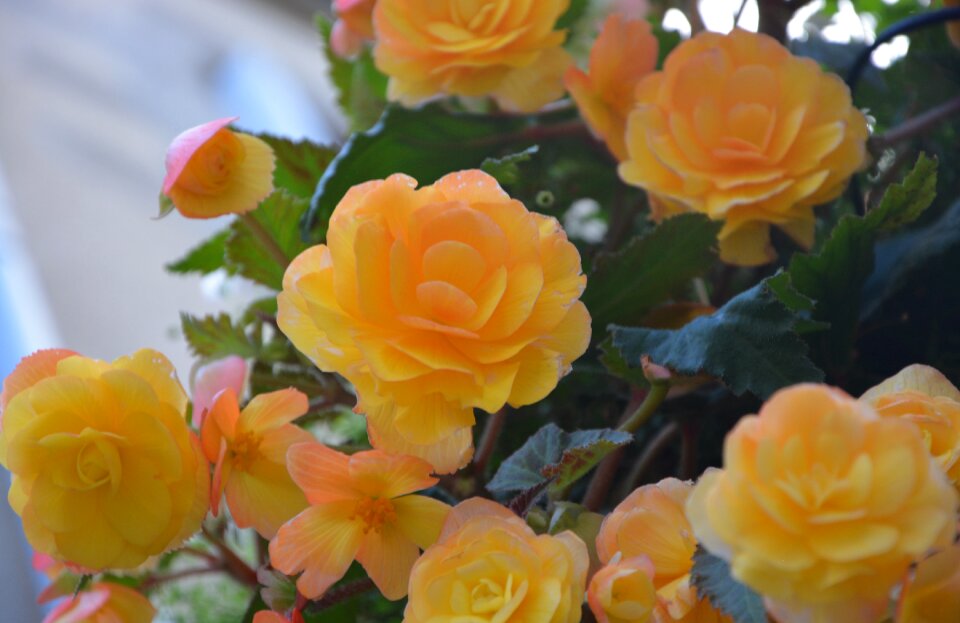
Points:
(360, 509)
(624, 52)
(268, 616)
(105, 602)
(249, 449)
(212, 171)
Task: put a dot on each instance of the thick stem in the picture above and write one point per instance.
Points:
(655, 396)
(600, 484)
(340, 594)
(916, 126)
(488, 441)
(158, 580)
(268, 242)
(775, 15)
(650, 453)
(232, 563)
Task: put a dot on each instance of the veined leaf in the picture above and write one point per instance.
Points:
(205, 258)
(625, 285)
(299, 163)
(750, 344)
(555, 454)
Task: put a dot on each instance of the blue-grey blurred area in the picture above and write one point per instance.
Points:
(91, 93)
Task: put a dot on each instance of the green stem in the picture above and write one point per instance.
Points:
(267, 240)
(649, 406)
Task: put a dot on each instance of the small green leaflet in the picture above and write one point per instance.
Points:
(299, 164)
(205, 258)
(506, 169)
(553, 453)
(711, 576)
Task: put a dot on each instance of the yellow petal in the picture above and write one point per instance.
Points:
(264, 497)
(272, 410)
(387, 556)
(420, 518)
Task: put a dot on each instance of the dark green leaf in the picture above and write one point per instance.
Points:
(711, 575)
(425, 143)
(279, 216)
(214, 337)
(205, 258)
(573, 14)
(361, 86)
(506, 169)
(256, 605)
(555, 454)
(749, 343)
(616, 365)
(782, 286)
(625, 285)
(299, 163)
(834, 277)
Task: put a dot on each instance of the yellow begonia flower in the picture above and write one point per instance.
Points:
(624, 52)
(737, 128)
(500, 48)
(212, 171)
(922, 395)
(105, 471)
(622, 591)
(434, 301)
(652, 522)
(488, 565)
(104, 602)
(249, 453)
(932, 595)
(360, 508)
(822, 505)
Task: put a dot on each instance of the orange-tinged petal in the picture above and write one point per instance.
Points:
(387, 555)
(446, 456)
(263, 497)
(382, 475)
(212, 378)
(29, 371)
(219, 423)
(321, 473)
(272, 410)
(420, 518)
(321, 542)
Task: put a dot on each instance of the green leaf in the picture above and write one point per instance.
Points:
(214, 337)
(299, 163)
(506, 169)
(616, 365)
(425, 143)
(625, 285)
(834, 277)
(205, 258)
(749, 343)
(782, 286)
(573, 14)
(362, 87)
(553, 453)
(711, 575)
(166, 207)
(278, 216)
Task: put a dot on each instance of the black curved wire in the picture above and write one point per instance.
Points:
(917, 22)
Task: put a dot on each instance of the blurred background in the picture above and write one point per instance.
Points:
(92, 92)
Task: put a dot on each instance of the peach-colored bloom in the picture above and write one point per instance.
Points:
(622, 591)
(624, 52)
(249, 452)
(922, 395)
(737, 128)
(106, 472)
(652, 522)
(212, 171)
(436, 301)
(488, 565)
(932, 595)
(212, 378)
(104, 602)
(360, 508)
(822, 505)
(500, 48)
(353, 27)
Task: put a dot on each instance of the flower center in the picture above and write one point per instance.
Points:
(244, 450)
(374, 513)
(208, 171)
(84, 461)
(499, 599)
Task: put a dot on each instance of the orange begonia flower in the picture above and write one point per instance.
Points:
(505, 49)
(434, 301)
(622, 591)
(737, 128)
(360, 508)
(249, 450)
(624, 52)
(652, 522)
(104, 602)
(823, 506)
(212, 171)
(922, 395)
(106, 472)
(932, 595)
(268, 616)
